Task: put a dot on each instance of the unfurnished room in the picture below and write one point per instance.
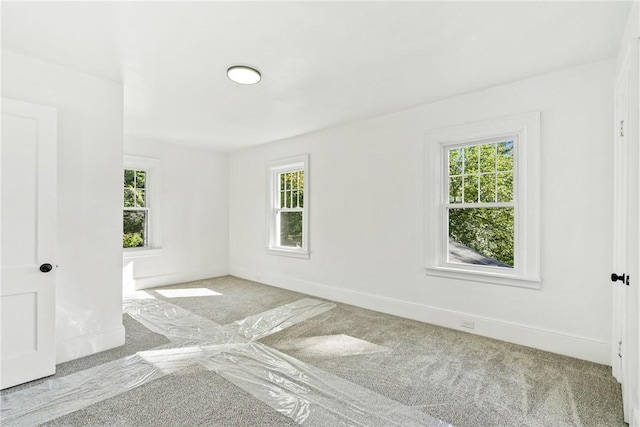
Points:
(350, 213)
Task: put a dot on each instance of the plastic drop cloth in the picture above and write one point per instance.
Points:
(175, 322)
(307, 395)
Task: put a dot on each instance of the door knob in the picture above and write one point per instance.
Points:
(45, 268)
(623, 278)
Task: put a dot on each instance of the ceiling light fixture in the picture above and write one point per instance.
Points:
(244, 75)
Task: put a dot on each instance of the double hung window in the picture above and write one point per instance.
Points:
(136, 209)
(482, 201)
(288, 206)
(480, 210)
(140, 212)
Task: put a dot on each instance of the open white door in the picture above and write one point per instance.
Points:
(631, 350)
(27, 290)
(620, 277)
(626, 238)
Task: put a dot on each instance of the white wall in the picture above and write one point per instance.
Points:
(90, 111)
(366, 216)
(194, 215)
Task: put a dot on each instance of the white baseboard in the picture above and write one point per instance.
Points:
(556, 342)
(171, 279)
(85, 345)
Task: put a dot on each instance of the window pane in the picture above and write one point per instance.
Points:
(289, 180)
(488, 188)
(487, 158)
(505, 187)
(141, 178)
(294, 180)
(287, 199)
(470, 160)
(140, 198)
(134, 229)
(129, 177)
(129, 198)
(291, 229)
(505, 156)
(300, 199)
(455, 161)
(482, 236)
(455, 189)
(471, 189)
(291, 186)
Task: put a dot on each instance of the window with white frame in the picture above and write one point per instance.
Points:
(135, 217)
(140, 213)
(288, 207)
(483, 201)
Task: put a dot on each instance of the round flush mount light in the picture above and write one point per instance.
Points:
(244, 75)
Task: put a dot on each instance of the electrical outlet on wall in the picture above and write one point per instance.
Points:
(467, 324)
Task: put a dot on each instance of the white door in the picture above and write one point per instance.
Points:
(631, 345)
(27, 289)
(620, 277)
(626, 239)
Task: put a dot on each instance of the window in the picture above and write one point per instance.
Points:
(480, 210)
(483, 201)
(288, 206)
(136, 210)
(140, 207)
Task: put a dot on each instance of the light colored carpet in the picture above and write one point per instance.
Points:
(463, 379)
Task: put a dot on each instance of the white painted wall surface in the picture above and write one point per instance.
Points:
(194, 215)
(366, 218)
(90, 111)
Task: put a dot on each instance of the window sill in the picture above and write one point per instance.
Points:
(288, 253)
(141, 253)
(485, 277)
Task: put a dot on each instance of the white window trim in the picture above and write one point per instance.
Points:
(526, 129)
(152, 167)
(274, 168)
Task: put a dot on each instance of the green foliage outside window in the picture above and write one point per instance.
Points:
(134, 224)
(488, 231)
(291, 229)
(483, 175)
(291, 197)
(134, 218)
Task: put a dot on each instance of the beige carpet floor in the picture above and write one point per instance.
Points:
(459, 378)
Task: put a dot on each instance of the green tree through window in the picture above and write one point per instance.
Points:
(288, 204)
(480, 206)
(136, 211)
(291, 188)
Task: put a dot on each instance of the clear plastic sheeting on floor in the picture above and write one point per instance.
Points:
(174, 322)
(57, 397)
(306, 394)
(260, 325)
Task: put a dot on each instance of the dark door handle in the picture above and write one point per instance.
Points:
(623, 278)
(45, 268)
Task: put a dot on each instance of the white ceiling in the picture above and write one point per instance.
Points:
(323, 63)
